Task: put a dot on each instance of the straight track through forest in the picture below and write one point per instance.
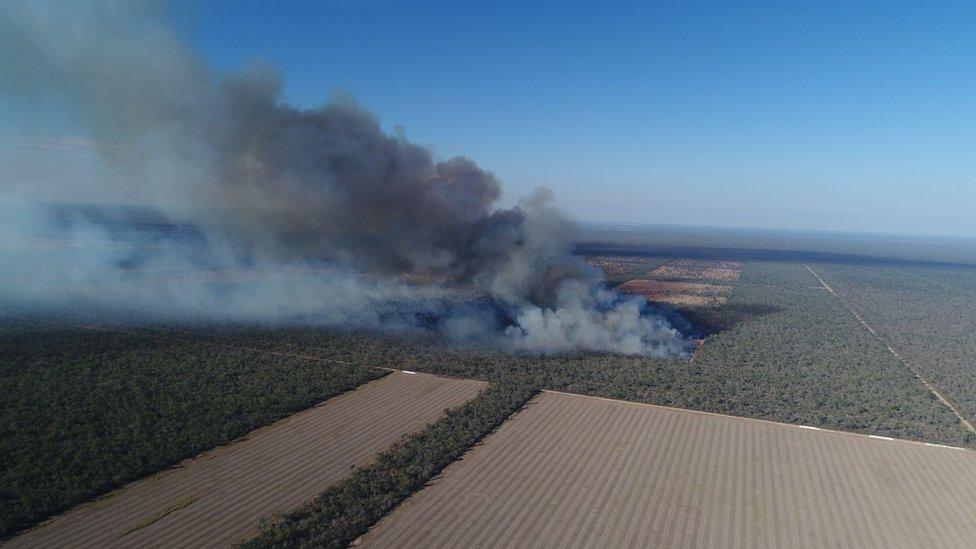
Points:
(925, 382)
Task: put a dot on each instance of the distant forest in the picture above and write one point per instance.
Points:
(87, 407)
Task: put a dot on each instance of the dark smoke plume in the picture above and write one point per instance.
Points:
(320, 213)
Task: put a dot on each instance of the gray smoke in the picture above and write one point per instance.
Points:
(313, 214)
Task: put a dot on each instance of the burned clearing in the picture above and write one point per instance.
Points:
(620, 269)
(695, 288)
(686, 283)
(678, 293)
(219, 497)
(698, 269)
(583, 472)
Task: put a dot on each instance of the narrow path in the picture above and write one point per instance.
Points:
(928, 385)
(694, 353)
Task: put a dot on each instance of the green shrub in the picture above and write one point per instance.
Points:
(348, 509)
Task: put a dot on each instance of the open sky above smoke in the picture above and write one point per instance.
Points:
(325, 211)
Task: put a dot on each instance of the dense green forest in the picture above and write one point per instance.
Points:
(766, 244)
(82, 411)
(348, 509)
(781, 349)
(807, 360)
(928, 315)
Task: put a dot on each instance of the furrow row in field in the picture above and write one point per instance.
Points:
(220, 496)
(580, 471)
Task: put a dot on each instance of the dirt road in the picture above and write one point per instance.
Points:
(928, 385)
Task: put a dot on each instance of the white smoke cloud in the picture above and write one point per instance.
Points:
(590, 318)
(272, 213)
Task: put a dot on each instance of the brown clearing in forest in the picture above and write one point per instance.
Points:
(617, 266)
(686, 282)
(615, 262)
(677, 293)
(698, 269)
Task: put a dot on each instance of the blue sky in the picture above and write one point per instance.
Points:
(814, 115)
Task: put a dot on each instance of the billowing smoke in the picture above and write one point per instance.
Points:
(275, 213)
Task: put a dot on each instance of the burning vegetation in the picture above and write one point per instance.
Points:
(273, 188)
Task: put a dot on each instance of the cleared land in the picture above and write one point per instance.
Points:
(351, 507)
(677, 293)
(82, 412)
(579, 471)
(618, 269)
(219, 497)
(686, 282)
(697, 269)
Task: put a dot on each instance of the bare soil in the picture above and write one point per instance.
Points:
(677, 293)
(219, 497)
(697, 269)
(575, 471)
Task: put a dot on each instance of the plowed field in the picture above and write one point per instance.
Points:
(573, 471)
(219, 497)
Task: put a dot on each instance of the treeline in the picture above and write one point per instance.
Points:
(83, 411)
(784, 350)
(928, 314)
(808, 360)
(348, 509)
